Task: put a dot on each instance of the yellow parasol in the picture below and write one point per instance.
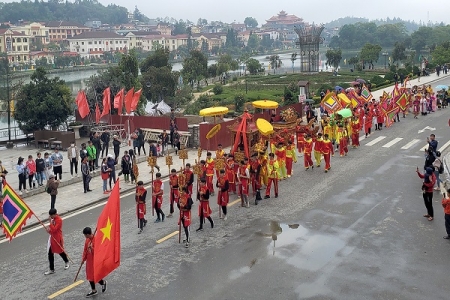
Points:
(265, 104)
(264, 127)
(213, 111)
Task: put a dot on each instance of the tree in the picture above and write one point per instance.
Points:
(441, 53)
(421, 38)
(226, 63)
(253, 66)
(353, 61)
(231, 40)
(398, 54)
(159, 83)
(179, 27)
(250, 22)
(43, 102)
(293, 59)
(334, 57)
(253, 42)
(158, 59)
(195, 68)
(370, 54)
(275, 62)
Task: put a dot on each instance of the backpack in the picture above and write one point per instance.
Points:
(441, 168)
(48, 189)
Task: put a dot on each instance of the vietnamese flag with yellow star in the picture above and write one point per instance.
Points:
(107, 238)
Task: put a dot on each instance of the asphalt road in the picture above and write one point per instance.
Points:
(356, 232)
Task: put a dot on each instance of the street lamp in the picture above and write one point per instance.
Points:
(385, 54)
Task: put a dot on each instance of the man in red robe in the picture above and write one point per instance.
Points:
(55, 241)
(141, 207)
(189, 175)
(157, 197)
(355, 132)
(244, 179)
(255, 168)
(204, 210)
(308, 150)
(88, 257)
(174, 193)
(185, 205)
(368, 123)
(222, 196)
(210, 166)
(230, 173)
(327, 149)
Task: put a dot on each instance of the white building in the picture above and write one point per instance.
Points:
(95, 43)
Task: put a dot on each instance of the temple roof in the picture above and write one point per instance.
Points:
(284, 18)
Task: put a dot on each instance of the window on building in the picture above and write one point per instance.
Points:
(90, 43)
(117, 42)
(25, 48)
(95, 49)
(95, 42)
(19, 48)
(82, 50)
(24, 58)
(77, 43)
(58, 31)
(13, 40)
(13, 48)
(120, 42)
(78, 50)
(82, 43)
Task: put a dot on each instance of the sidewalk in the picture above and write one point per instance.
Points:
(70, 190)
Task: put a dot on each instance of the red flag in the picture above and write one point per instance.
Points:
(135, 101)
(107, 238)
(106, 102)
(83, 106)
(118, 101)
(97, 113)
(128, 100)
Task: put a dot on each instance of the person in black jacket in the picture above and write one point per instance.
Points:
(98, 147)
(116, 145)
(126, 166)
(40, 169)
(105, 137)
(140, 142)
(86, 175)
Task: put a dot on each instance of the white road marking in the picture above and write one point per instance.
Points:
(445, 146)
(424, 148)
(410, 144)
(378, 139)
(362, 138)
(393, 142)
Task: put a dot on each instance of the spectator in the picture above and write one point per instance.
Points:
(105, 175)
(111, 163)
(22, 171)
(173, 127)
(126, 166)
(438, 167)
(429, 158)
(105, 137)
(116, 147)
(40, 169)
(310, 115)
(432, 143)
(141, 142)
(52, 189)
(48, 165)
(57, 159)
(73, 155)
(427, 188)
(134, 137)
(446, 206)
(164, 137)
(176, 141)
(31, 171)
(153, 150)
(86, 176)
(91, 155)
(98, 147)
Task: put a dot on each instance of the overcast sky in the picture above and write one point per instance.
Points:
(327, 10)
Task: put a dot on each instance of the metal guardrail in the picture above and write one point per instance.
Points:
(16, 133)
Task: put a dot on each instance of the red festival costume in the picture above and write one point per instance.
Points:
(210, 174)
(307, 156)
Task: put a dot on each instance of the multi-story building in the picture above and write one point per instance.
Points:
(213, 40)
(37, 31)
(94, 43)
(171, 42)
(62, 30)
(16, 45)
(136, 38)
(283, 21)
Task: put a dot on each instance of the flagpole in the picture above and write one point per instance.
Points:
(59, 245)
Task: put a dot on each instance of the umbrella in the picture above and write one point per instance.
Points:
(338, 88)
(213, 111)
(345, 113)
(264, 127)
(265, 104)
(360, 80)
(441, 87)
(355, 83)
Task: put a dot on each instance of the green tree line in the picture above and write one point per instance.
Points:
(79, 11)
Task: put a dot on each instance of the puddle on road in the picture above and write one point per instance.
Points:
(303, 248)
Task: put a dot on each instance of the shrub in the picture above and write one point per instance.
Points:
(217, 89)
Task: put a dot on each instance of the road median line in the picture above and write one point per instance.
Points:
(67, 288)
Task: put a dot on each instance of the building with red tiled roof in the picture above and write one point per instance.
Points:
(16, 45)
(61, 30)
(94, 43)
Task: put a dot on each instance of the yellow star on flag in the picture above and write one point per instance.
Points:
(106, 231)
